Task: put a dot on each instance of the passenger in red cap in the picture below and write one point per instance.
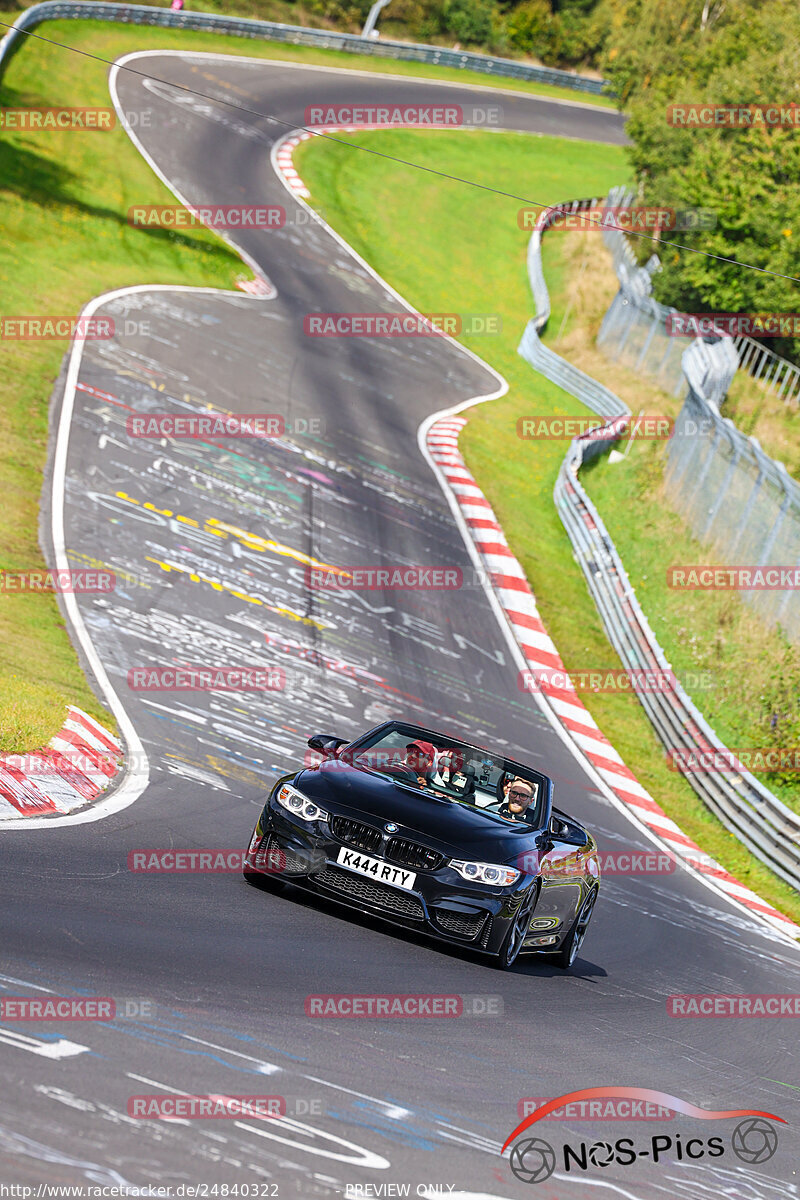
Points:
(417, 766)
(421, 757)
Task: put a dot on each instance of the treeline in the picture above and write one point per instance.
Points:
(717, 54)
(712, 54)
(568, 33)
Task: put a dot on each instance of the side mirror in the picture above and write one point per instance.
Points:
(325, 743)
(564, 831)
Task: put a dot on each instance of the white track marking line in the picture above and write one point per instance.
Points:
(395, 1111)
(60, 1049)
(264, 1068)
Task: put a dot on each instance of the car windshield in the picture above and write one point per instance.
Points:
(445, 767)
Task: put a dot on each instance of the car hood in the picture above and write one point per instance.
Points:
(446, 825)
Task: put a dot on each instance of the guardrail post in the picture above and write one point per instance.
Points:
(748, 508)
(654, 323)
(776, 524)
(726, 482)
(787, 595)
(371, 20)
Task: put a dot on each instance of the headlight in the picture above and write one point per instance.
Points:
(299, 805)
(478, 872)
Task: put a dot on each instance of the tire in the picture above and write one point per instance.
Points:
(508, 953)
(566, 956)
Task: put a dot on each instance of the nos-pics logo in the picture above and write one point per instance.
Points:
(532, 1159)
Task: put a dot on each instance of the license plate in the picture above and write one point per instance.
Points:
(376, 869)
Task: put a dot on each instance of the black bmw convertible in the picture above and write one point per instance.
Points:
(432, 833)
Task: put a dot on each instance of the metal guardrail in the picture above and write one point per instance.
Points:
(732, 495)
(324, 39)
(769, 829)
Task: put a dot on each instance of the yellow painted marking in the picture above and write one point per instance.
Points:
(256, 542)
(223, 83)
(196, 577)
(253, 541)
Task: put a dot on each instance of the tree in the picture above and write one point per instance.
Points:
(745, 52)
(532, 30)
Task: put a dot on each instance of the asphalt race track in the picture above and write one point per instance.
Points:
(210, 544)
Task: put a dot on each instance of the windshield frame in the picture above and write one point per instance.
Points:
(540, 809)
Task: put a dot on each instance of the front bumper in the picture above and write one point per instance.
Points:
(441, 904)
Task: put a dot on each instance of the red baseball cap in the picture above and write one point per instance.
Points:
(427, 749)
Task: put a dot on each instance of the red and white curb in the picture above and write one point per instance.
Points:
(283, 159)
(285, 149)
(79, 763)
(259, 286)
(518, 604)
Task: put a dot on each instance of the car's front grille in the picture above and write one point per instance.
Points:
(356, 833)
(374, 894)
(411, 854)
(466, 925)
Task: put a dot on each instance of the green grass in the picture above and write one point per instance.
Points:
(436, 241)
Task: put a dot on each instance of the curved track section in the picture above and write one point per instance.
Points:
(211, 542)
